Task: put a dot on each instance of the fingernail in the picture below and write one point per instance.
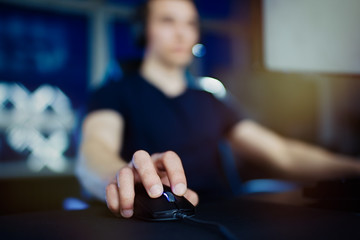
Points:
(180, 189)
(156, 190)
(126, 213)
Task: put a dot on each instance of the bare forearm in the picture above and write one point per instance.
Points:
(311, 163)
(289, 159)
(96, 167)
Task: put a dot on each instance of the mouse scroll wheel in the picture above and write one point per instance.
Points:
(169, 196)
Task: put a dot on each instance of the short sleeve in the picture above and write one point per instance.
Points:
(230, 112)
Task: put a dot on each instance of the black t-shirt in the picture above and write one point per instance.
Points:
(191, 124)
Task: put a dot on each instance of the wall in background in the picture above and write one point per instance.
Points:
(51, 52)
(322, 77)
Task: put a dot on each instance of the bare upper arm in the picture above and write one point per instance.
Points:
(105, 127)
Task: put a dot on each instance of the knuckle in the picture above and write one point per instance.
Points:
(177, 176)
(170, 156)
(139, 158)
(195, 200)
(111, 206)
(125, 200)
(108, 189)
(155, 155)
(124, 171)
(147, 175)
(140, 154)
(124, 178)
(174, 165)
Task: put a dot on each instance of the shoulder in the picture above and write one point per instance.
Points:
(112, 94)
(222, 100)
(116, 83)
(115, 87)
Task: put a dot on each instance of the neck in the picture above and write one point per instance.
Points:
(168, 79)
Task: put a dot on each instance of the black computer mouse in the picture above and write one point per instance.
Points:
(164, 208)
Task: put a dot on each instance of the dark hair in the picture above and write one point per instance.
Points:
(140, 22)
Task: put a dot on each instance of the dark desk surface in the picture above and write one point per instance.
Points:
(246, 218)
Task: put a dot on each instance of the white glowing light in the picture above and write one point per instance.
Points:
(28, 123)
(213, 86)
(199, 50)
(61, 103)
(19, 138)
(19, 96)
(42, 97)
(3, 94)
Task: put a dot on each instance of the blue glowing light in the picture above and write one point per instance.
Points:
(71, 204)
(199, 50)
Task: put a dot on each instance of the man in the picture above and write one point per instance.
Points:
(158, 112)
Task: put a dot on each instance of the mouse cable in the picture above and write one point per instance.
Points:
(223, 230)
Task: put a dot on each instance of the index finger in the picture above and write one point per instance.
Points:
(145, 168)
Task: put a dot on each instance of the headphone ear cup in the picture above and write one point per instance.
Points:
(140, 37)
(139, 26)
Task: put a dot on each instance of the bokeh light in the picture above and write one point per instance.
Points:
(38, 122)
(213, 86)
(199, 50)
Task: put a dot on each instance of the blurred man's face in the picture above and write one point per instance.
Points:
(172, 31)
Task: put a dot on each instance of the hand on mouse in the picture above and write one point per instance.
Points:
(153, 171)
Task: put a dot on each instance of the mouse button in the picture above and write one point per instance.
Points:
(148, 208)
(183, 204)
(169, 196)
(160, 204)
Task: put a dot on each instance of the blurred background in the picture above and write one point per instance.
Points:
(294, 66)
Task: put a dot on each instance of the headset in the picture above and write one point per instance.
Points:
(139, 20)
